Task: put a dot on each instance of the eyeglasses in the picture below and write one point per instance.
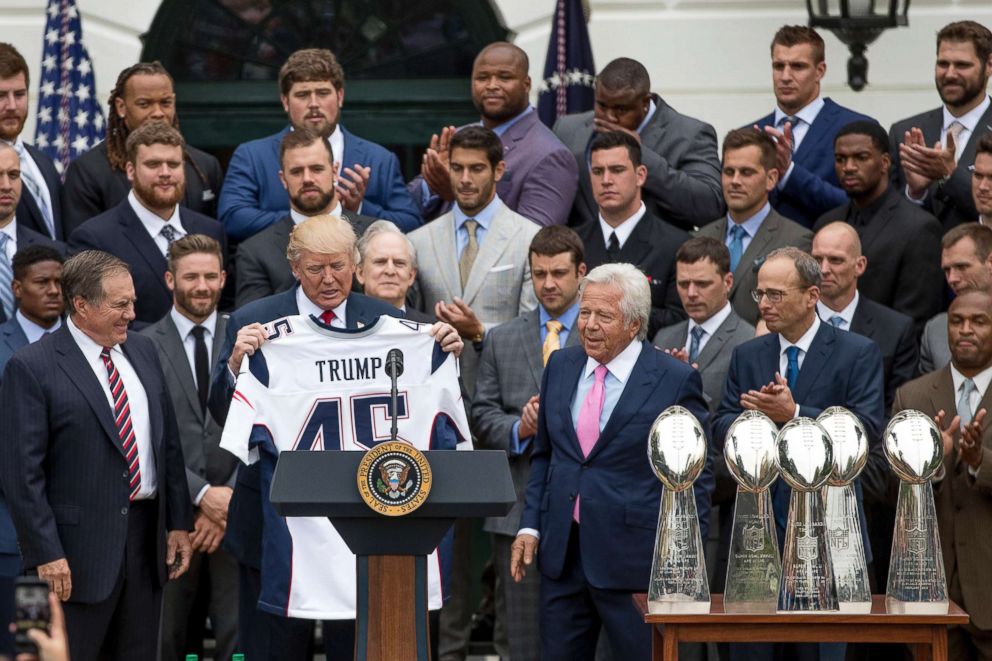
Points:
(774, 295)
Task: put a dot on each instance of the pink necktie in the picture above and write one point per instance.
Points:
(587, 427)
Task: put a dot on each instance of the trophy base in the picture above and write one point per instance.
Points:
(749, 607)
(897, 607)
(856, 607)
(678, 606)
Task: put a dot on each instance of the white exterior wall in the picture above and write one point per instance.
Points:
(708, 58)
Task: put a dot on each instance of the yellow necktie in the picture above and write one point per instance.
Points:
(551, 341)
(469, 252)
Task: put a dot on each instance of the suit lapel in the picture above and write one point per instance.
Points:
(816, 359)
(639, 243)
(493, 246)
(640, 385)
(863, 323)
(175, 351)
(13, 336)
(876, 229)
(144, 245)
(983, 126)
(79, 374)
(758, 246)
(533, 347)
(446, 254)
(819, 130)
(567, 384)
(942, 395)
(715, 344)
(354, 151)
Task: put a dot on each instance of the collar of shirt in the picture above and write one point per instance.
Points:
(752, 224)
(624, 229)
(867, 213)
(154, 224)
(300, 217)
(308, 308)
(808, 113)
(33, 331)
(484, 218)
(566, 318)
(185, 325)
(982, 380)
(621, 366)
(804, 342)
(336, 141)
(847, 314)
(505, 126)
(91, 350)
(969, 120)
(652, 109)
(712, 324)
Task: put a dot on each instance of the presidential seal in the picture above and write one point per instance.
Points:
(394, 478)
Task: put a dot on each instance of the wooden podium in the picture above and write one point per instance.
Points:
(926, 634)
(391, 620)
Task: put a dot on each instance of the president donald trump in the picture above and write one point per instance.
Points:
(591, 506)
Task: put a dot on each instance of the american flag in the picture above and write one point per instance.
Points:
(569, 71)
(70, 119)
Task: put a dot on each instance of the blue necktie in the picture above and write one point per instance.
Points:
(697, 335)
(736, 246)
(781, 490)
(792, 367)
(836, 321)
(964, 401)
(6, 278)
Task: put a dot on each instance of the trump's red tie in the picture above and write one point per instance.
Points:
(327, 316)
(122, 417)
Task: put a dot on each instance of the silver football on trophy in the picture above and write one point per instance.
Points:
(848, 441)
(805, 458)
(677, 448)
(750, 451)
(913, 446)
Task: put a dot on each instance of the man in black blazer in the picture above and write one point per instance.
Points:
(40, 206)
(309, 177)
(92, 466)
(140, 229)
(321, 253)
(97, 181)
(625, 231)
(387, 267)
(186, 338)
(900, 240)
(930, 168)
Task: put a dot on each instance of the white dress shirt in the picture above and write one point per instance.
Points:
(624, 229)
(154, 224)
(185, 327)
(308, 307)
(847, 314)
(136, 397)
(33, 331)
(300, 217)
(709, 327)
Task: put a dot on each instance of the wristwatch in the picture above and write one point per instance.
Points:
(477, 340)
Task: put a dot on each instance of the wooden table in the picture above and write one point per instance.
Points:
(926, 634)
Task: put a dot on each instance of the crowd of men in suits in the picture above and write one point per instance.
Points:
(588, 276)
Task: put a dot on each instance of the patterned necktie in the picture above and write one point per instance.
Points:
(34, 187)
(613, 249)
(470, 251)
(794, 122)
(792, 366)
(736, 246)
(964, 402)
(587, 426)
(170, 233)
(954, 130)
(327, 316)
(836, 321)
(201, 364)
(6, 278)
(697, 335)
(552, 341)
(122, 418)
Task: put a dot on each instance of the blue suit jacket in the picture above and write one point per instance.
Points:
(813, 188)
(253, 197)
(840, 369)
(244, 516)
(12, 338)
(120, 232)
(620, 493)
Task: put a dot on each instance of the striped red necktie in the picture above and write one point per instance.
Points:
(122, 417)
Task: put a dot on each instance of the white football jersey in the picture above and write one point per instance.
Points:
(312, 387)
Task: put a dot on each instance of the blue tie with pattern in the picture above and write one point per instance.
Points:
(792, 366)
(697, 335)
(6, 278)
(736, 247)
(781, 490)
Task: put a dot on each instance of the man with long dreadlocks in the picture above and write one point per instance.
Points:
(97, 180)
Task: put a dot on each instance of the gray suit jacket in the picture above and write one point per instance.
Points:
(714, 359)
(499, 286)
(935, 353)
(775, 232)
(509, 374)
(683, 184)
(262, 267)
(206, 463)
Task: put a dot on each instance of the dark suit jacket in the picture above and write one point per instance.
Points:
(119, 232)
(620, 494)
(840, 369)
(254, 198)
(413, 314)
(244, 516)
(28, 211)
(951, 202)
(776, 231)
(262, 266)
(206, 463)
(63, 461)
(902, 244)
(91, 187)
(12, 338)
(683, 184)
(651, 247)
(813, 187)
(540, 178)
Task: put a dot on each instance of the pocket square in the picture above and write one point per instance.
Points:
(502, 267)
